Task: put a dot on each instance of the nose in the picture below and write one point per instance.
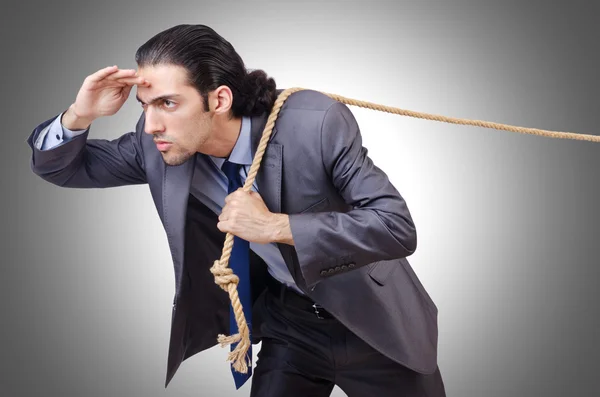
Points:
(152, 124)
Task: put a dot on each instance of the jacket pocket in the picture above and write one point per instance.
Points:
(316, 207)
(381, 270)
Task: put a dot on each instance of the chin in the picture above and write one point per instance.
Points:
(174, 159)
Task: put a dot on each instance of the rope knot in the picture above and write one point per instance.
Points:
(223, 275)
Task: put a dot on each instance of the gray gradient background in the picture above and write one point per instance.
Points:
(507, 223)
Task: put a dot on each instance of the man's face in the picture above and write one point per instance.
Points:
(174, 112)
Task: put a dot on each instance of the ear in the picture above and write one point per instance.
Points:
(221, 100)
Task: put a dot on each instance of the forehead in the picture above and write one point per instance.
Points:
(163, 78)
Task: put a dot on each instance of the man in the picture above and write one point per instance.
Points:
(334, 300)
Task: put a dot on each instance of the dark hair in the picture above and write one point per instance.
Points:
(211, 61)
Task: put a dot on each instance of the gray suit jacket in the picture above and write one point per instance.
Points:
(352, 229)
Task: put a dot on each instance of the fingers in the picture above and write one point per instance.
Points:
(234, 195)
(102, 74)
(134, 81)
(126, 91)
(225, 227)
(113, 74)
(120, 73)
(122, 82)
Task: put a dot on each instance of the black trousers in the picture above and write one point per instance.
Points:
(304, 355)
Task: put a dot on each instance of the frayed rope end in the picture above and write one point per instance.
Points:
(237, 357)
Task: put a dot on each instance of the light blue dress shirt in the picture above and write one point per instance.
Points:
(209, 184)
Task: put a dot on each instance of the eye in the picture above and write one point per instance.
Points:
(168, 102)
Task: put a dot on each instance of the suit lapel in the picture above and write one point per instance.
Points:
(269, 174)
(269, 178)
(175, 194)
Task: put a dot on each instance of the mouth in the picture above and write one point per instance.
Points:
(163, 145)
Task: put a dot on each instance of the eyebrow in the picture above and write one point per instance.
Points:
(159, 98)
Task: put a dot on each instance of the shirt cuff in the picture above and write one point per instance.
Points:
(55, 134)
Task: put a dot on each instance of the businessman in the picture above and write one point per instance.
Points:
(321, 240)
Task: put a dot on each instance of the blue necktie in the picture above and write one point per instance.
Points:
(239, 262)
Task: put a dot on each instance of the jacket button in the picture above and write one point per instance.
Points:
(323, 272)
(330, 271)
(337, 268)
(344, 267)
(352, 265)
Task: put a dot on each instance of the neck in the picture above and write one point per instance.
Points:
(225, 133)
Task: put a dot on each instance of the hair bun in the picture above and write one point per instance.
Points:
(259, 93)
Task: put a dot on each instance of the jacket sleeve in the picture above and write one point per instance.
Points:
(89, 163)
(379, 227)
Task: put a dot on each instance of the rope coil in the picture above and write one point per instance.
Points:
(228, 281)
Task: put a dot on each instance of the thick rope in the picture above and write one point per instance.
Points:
(228, 281)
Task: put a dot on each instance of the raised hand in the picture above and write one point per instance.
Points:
(101, 94)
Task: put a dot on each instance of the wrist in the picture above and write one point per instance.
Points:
(280, 229)
(73, 121)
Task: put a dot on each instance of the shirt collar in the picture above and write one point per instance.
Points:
(242, 151)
